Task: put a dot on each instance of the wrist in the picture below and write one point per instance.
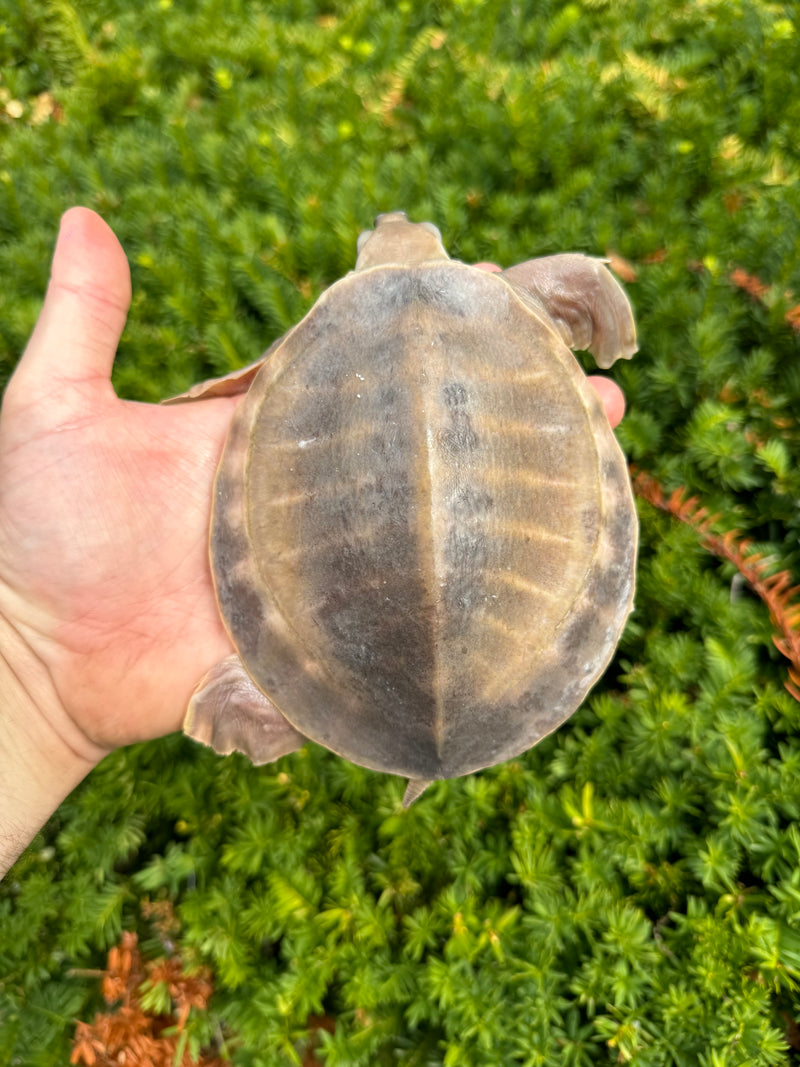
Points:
(43, 755)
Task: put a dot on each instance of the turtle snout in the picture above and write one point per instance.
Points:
(397, 241)
(390, 216)
(380, 220)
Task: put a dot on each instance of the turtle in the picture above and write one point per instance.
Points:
(423, 534)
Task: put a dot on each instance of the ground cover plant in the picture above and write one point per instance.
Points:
(629, 890)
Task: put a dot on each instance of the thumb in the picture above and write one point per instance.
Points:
(84, 312)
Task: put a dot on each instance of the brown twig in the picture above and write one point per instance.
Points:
(131, 1035)
(759, 291)
(776, 590)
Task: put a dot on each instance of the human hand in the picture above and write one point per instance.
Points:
(104, 512)
(107, 612)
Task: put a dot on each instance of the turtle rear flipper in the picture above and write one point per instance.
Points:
(228, 713)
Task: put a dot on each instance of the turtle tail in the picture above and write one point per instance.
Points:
(415, 788)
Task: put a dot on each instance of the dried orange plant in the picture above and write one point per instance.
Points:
(129, 1034)
(759, 291)
(776, 590)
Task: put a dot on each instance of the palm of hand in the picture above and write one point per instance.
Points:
(104, 510)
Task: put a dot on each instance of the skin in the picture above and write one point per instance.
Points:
(107, 612)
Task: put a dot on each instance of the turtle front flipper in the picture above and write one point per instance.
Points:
(228, 712)
(586, 303)
(238, 381)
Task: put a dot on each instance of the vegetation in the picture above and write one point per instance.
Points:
(629, 890)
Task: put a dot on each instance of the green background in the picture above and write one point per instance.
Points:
(628, 891)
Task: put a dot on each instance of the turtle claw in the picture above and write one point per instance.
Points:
(415, 788)
(229, 713)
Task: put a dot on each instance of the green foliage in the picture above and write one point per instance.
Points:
(628, 891)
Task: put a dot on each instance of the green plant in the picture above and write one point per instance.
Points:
(629, 890)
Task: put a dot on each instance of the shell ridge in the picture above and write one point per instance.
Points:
(425, 532)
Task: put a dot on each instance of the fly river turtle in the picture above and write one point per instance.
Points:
(423, 536)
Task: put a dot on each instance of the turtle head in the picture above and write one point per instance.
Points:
(396, 240)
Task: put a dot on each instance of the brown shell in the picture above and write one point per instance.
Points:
(423, 536)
